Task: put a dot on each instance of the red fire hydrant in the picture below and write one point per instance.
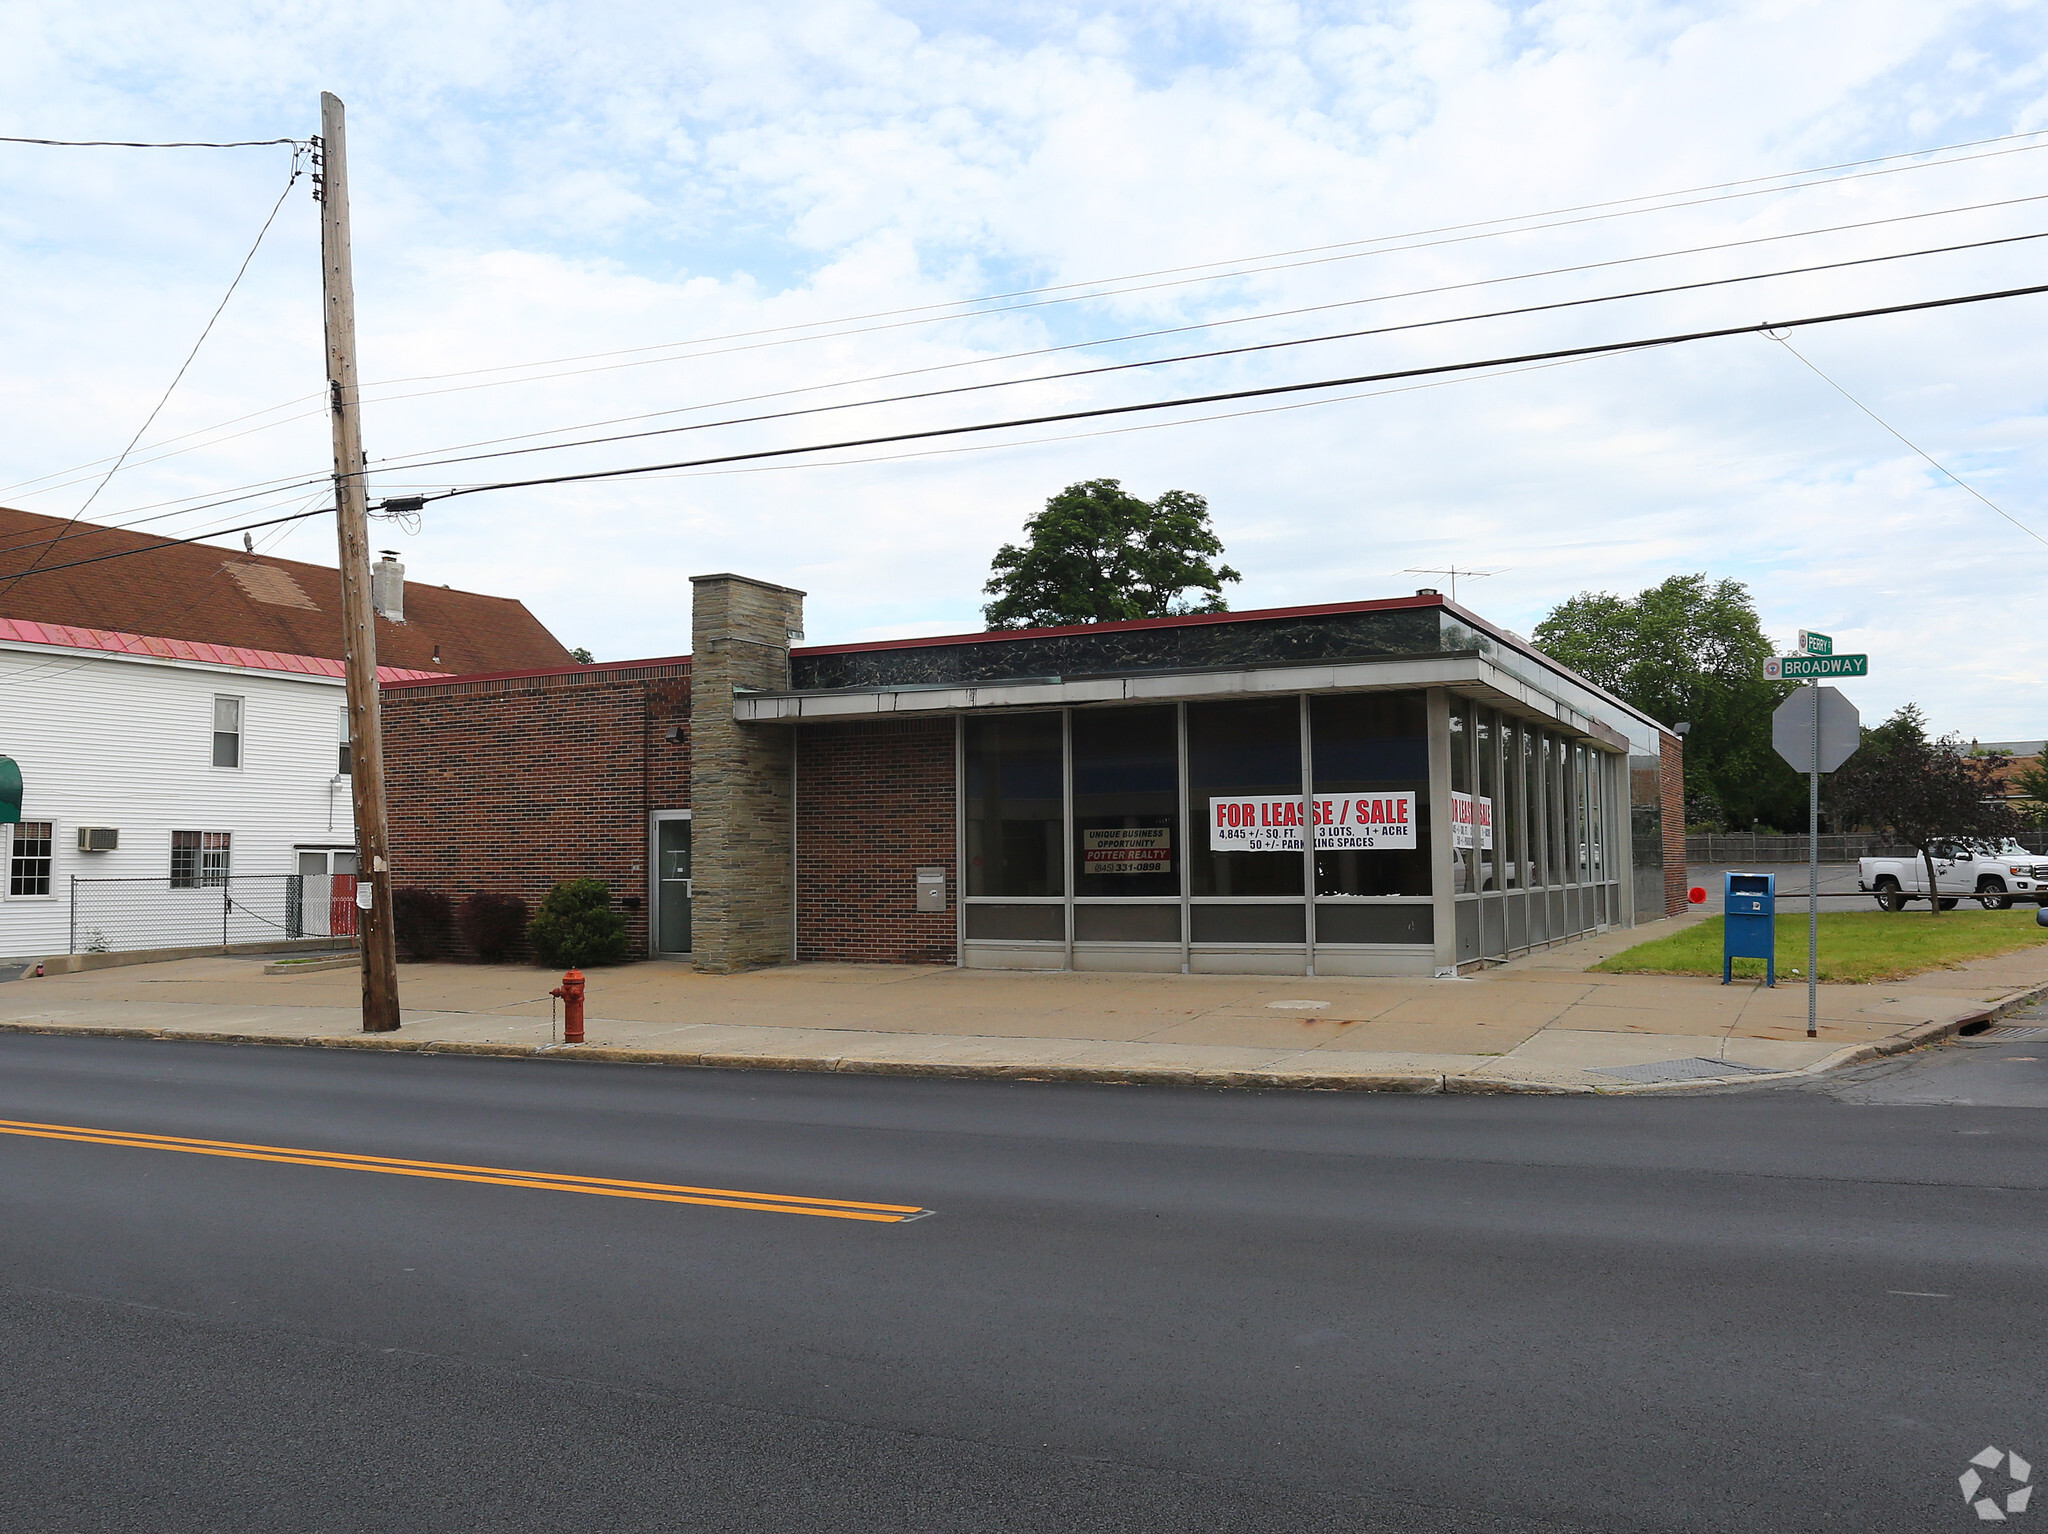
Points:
(571, 992)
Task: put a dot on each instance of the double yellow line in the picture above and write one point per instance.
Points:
(503, 1177)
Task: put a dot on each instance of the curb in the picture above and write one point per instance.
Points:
(1411, 1082)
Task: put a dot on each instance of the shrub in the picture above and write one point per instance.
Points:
(576, 926)
(491, 924)
(421, 919)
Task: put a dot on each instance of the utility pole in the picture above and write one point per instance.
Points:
(359, 623)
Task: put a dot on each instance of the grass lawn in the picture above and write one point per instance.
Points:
(1855, 946)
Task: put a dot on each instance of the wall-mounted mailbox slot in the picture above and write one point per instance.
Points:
(931, 889)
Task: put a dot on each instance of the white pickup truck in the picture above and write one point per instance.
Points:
(1994, 879)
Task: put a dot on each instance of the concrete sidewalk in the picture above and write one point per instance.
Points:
(1540, 1023)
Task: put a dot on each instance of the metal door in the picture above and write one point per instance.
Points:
(671, 884)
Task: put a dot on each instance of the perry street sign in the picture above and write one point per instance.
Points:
(1811, 643)
(1793, 668)
(1792, 729)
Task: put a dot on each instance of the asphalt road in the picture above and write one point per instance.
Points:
(1131, 1309)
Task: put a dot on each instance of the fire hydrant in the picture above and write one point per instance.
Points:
(571, 992)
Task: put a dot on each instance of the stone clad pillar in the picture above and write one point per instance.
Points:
(743, 893)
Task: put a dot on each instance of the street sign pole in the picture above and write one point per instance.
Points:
(1813, 875)
(1813, 737)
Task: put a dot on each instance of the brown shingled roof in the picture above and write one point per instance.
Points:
(221, 596)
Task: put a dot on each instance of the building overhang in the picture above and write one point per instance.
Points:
(1468, 673)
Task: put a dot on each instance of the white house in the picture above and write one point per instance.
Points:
(176, 713)
(175, 794)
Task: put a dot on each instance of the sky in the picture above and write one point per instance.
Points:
(575, 221)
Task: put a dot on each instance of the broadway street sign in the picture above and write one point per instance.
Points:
(1793, 668)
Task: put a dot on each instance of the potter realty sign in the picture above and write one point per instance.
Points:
(1127, 850)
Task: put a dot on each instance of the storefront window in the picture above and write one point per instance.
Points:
(1596, 801)
(1486, 806)
(1372, 749)
(1583, 831)
(1557, 868)
(1532, 806)
(1507, 831)
(1126, 790)
(1244, 791)
(1461, 793)
(1013, 794)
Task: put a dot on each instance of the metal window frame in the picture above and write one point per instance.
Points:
(240, 732)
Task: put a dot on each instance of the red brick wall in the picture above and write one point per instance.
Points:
(1671, 786)
(509, 786)
(874, 801)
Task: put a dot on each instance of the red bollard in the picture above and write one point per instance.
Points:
(571, 992)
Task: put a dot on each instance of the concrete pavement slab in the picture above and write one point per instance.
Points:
(1538, 1023)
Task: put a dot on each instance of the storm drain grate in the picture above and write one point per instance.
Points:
(1696, 1069)
(2009, 1032)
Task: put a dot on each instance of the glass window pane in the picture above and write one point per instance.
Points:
(1127, 924)
(29, 871)
(1244, 762)
(1014, 797)
(1373, 744)
(1554, 865)
(1532, 806)
(1461, 789)
(1507, 831)
(1248, 923)
(1017, 923)
(1126, 790)
(1583, 834)
(1485, 840)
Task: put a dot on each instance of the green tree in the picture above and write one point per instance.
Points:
(1928, 793)
(1691, 650)
(1098, 554)
(576, 926)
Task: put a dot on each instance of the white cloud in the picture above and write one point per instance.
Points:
(535, 181)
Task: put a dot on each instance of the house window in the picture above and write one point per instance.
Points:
(198, 859)
(227, 732)
(28, 869)
(347, 762)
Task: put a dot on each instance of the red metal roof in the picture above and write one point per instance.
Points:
(24, 631)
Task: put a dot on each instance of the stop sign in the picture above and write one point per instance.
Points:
(1792, 729)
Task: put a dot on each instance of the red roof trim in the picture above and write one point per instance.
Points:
(1186, 620)
(595, 668)
(114, 642)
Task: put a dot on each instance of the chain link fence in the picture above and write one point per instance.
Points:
(123, 915)
(1739, 848)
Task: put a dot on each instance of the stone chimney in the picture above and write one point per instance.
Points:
(743, 899)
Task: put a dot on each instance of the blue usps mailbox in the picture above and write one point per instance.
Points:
(1749, 924)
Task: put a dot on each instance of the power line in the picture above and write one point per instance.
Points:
(1526, 362)
(246, 143)
(1048, 350)
(1602, 349)
(405, 464)
(290, 181)
(1916, 447)
(1312, 250)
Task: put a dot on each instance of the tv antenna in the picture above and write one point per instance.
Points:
(1454, 571)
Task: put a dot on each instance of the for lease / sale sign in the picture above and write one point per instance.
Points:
(1343, 822)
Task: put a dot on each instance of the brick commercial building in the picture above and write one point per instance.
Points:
(1386, 787)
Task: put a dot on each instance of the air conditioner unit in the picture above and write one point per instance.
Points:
(98, 838)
